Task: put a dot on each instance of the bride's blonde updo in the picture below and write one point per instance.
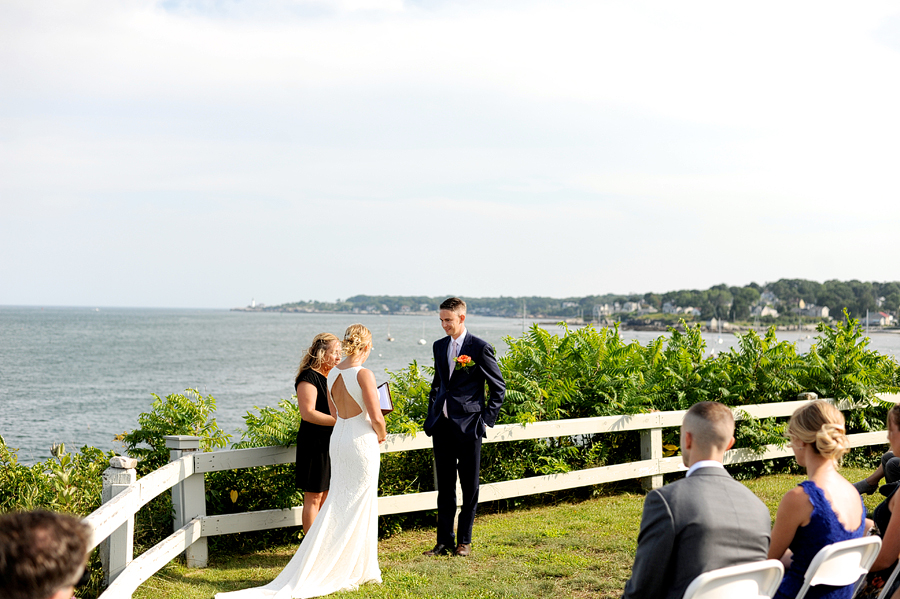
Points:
(356, 339)
(821, 425)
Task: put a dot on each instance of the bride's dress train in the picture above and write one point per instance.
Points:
(340, 551)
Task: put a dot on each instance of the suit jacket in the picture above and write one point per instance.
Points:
(691, 526)
(467, 406)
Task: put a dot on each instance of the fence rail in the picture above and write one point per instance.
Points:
(112, 523)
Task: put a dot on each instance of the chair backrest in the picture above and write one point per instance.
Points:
(890, 581)
(756, 580)
(841, 564)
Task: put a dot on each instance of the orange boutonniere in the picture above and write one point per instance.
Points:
(463, 362)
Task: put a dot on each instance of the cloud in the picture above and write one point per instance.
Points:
(586, 147)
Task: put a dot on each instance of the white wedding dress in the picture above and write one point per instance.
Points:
(340, 551)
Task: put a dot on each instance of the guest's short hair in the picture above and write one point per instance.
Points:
(40, 553)
(710, 423)
(356, 339)
(894, 415)
(820, 425)
(454, 304)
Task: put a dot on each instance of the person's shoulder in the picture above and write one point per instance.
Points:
(797, 498)
(364, 374)
(477, 341)
(309, 376)
(701, 481)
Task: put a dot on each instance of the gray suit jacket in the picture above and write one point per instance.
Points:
(694, 525)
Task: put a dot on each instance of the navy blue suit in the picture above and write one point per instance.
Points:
(457, 436)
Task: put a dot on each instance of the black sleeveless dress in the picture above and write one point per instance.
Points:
(313, 468)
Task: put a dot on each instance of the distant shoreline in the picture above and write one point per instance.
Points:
(576, 322)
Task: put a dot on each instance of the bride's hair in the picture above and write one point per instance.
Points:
(821, 425)
(356, 339)
(315, 354)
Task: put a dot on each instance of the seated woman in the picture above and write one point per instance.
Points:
(821, 510)
(888, 527)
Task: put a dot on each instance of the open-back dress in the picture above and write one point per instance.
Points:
(340, 551)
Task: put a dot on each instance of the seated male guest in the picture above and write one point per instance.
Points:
(702, 522)
(43, 555)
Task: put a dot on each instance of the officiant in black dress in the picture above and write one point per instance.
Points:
(313, 467)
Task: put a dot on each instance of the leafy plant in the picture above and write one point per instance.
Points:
(178, 414)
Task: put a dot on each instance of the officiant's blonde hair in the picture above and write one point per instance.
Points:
(315, 354)
(356, 339)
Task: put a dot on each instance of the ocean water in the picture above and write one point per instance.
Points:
(82, 375)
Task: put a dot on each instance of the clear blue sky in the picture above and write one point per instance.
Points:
(203, 153)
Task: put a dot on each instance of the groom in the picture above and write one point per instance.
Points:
(458, 417)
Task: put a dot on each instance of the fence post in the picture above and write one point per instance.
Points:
(188, 497)
(652, 449)
(117, 551)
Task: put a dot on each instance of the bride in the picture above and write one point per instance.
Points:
(340, 551)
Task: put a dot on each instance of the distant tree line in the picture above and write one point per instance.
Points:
(719, 301)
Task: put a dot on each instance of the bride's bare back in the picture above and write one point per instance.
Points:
(346, 405)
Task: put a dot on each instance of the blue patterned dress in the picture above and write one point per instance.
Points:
(824, 528)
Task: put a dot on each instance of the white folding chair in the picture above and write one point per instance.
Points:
(841, 564)
(887, 585)
(756, 580)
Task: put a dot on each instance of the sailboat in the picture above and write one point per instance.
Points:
(422, 340)
(389, 338)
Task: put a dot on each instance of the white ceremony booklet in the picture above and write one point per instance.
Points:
(384, 398)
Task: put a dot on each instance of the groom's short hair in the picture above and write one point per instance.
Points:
(454, 304)
(711, 423)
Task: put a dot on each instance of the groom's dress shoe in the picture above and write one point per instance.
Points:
(439, 549)
(463, 550)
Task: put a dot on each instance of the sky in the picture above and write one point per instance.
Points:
(206, 153)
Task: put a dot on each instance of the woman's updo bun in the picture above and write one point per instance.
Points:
(356, 339)
(821, 425)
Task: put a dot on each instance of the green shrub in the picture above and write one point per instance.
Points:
(576, 374)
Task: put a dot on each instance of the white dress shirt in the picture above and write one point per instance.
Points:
(704, 464)
(459, 342)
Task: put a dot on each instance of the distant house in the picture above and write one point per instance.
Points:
(603, 309)
(767, 297)
(570, 304)
(812, 310)
(760, 311)
(878, 319)
(631, 307)
(670, 308)
(646, 309)
(816, 311)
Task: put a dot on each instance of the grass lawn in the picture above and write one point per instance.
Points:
(582, 549)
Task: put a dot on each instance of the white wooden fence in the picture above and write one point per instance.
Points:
(113, 523)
